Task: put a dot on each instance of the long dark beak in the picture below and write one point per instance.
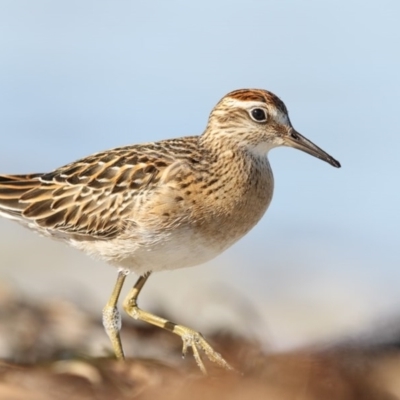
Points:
(298, 141)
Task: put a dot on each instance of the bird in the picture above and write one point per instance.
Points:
(163, 205)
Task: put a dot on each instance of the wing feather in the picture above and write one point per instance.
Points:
(93, 198)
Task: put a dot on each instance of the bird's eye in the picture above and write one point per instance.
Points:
(258, 114)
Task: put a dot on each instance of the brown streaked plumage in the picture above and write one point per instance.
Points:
(259, 95)
(163, 205)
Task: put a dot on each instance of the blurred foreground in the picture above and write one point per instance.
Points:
(49, 351)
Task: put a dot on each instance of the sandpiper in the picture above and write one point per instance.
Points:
(163, 205)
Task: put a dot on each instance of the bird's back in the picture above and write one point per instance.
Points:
(90, 198)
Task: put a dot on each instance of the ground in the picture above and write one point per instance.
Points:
(51, 351)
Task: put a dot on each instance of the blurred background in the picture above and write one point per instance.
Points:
(323, 264)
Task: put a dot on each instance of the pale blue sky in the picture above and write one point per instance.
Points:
(77, 77)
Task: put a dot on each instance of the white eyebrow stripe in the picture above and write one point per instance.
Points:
(274, 112)
(244, 104)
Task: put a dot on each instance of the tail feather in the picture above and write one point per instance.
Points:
(12, 188)
(61, 209)
(25, 178)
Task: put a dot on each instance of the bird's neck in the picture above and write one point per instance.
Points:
(220, 141)
(234, 162)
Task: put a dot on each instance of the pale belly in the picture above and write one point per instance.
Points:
(182, 248)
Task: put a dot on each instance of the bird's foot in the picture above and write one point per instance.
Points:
(196, 341)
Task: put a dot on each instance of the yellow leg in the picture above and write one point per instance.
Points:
(112, 317)
(190, 338)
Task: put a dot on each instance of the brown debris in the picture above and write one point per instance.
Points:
(53, 351)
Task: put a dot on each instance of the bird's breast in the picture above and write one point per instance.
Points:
(230, 212)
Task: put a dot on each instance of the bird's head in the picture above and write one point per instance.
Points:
(258, 121)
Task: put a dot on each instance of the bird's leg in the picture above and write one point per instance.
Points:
(190, 338)
(112, 317)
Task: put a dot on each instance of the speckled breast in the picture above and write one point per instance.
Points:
(230, 216)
